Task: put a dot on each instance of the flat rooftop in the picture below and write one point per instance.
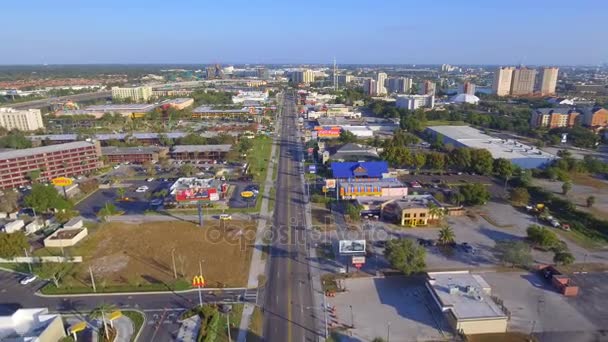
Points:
(466, 295)
(43, 149)
(142, 107)
(201, 148)
(115, 150)
(208, 109)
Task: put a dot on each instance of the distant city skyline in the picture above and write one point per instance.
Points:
(541, 32)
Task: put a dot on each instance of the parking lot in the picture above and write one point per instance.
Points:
(431, 183)
(398, 306)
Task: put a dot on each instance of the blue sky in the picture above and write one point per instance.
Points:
(306, 31)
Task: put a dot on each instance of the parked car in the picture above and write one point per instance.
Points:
(150, 179)
(141, 189)
(28, 279)
(468, 248)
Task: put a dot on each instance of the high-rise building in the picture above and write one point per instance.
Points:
(263, 73)
(468, 87)
(137, 94)
(426, 88)
(380, 80)
(412, 102)
(523, 81)
(343, 80)
(303, 76)
(370, 87)
(548, 81)
(23, 120)
(502, 81)
(399, 85)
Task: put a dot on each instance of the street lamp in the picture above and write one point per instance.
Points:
(352, 317)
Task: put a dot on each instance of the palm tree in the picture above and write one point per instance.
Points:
(435, 212)
(102, 311)
(121, 192)
(446, 235)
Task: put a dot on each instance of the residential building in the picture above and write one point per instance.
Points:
(138, 155)
(263, 73)
(303, 76)
(359, 170)
(524, 156)
(502, 81)
(427, 88)
(31, 325)
(23, 120)
(370, 87)
(380, 86)
(207, 153)
(553, 117)
(344, 80)
(523, 81)
(595, 117)
(399, 85)
(105, 138)
(468, 88)
(548, 81)
(180, 103)
(64, 160)
(413, 102)
(135, 94)
(467, 303)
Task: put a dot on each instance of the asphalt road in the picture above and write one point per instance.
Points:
(288, 303)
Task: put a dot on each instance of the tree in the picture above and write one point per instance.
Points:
(405, 255)
(516, 253)
(474, 194)
(192, 139)
(590, 201)
(9, 201)
(12, 245)
(347, 137)
(435, 212)
(121, 192)
(419, 159)
(520, 196)
(43, 198)
(563, 257)
(461, 158)
(102, 311)
(567, 186)
(149, 167)
(482, 161)
(34, 175)
(446, 236)
(353, 211)
(187, 170)
(542, 237)
(435, 161)
(504, 169)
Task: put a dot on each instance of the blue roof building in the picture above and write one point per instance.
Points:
(348, 170)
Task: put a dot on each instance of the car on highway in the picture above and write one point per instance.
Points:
(28, 279)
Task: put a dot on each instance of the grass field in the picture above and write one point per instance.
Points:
(139, 256)
(258, 158)
(506, 337)
(138, 321)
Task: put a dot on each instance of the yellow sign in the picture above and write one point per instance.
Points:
(115, 315)
(247, 194)
(324, 189)
(80, 326)
(62, 181)
(198, 281)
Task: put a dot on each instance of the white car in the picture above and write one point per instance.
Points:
(150, 180)
(116, 167)
(28, 279)
(141, 189)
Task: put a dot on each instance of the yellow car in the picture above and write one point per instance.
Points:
(247, 194)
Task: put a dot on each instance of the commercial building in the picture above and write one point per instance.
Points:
(366, 187)
(355, 152)
(64, 160)
(263, 73)
(23, 120)
(406, 213)
(359, 170)
(136, 94)
(209, 153)
(207, 112)
(524, 156)
(412, 102)
(136, 155)
(132, 110)
(31, 325)
(250, 96)
(370, 87)
(399, 85)
(468, 88)
(380, 86)
(523, 81)
(303, 76)
(502, 81)
(180, 103)
(187, 191)
(66, 237)
(554, 117)
(466, 301)
(548, 81)
(427, 88)
(595, 117)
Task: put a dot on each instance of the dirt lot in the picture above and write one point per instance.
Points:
(322, 218)
(140, 254)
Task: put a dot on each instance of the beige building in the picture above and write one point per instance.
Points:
(380, 83)
(502, 81)
(466, 301)
(23, 120)
(523, 81)
(303, 76)
(136, 94)
(548, 81)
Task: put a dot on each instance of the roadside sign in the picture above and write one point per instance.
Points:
(351, 246)
(114, 315)
(198, 281)
(358, 265)
(324, 189)
(247, 194)
(330, 183)
(62, 181)
(358, 260)
(78, 327)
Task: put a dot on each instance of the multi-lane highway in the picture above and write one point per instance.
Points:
(288, 303)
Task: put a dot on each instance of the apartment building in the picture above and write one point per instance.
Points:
(369, 87)
(413, 102)
(303, 76)
(523, 81)
(554, 117)
(595, 117)
(399, 85)
(502, 81)
(136, 94)
(137, 155)
(380, 80)
(468, 88)
(427, 88)
(207, 153)
(23, 120)
(548, 81)
(63, 160)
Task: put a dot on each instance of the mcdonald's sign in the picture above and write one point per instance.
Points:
(198, 281)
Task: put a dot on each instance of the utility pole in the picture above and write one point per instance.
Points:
(92, 279)
(325, 311)
(173, 258)
(200, 295)
(388, 332)
(228, 325)
(352, 317)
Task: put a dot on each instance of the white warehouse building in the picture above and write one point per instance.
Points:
(524, 156)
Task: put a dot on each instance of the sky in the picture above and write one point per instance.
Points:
(532, 32)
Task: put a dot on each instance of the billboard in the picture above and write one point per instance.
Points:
(328, 133)
(358, 260)
(197, 194)
(351, 246)
(330, 183)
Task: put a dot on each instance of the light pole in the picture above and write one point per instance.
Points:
(173, 259)
(325, 312)
(200, 295)
(352, 317)
(388, 331)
